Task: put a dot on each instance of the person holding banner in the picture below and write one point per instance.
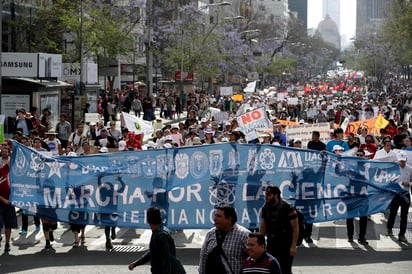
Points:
(363, 220)
(315, 144)
(8, 216)
(402, 200)
(386, 153)
(369, 145)
(338, 133)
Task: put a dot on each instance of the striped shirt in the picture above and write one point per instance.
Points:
(265, 264)
(234, 247)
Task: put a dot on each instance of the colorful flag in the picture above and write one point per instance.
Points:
(381, 122)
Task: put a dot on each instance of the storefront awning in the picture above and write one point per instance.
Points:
(43, 83)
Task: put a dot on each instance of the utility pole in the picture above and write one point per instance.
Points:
(81, 57)
(149, 52)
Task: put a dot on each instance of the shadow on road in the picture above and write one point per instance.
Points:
(342, 257)
(190, 257)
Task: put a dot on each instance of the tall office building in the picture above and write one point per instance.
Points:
(370, 14)
(332, 8)
(301, 8)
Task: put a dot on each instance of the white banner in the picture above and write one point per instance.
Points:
(304, 132)
(226, 91)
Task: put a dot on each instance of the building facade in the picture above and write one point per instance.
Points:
(300, 7)
(370, 15)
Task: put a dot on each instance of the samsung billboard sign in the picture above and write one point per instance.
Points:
(19, 64)
(33, 65)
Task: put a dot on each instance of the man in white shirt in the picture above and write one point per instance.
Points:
(402, 199)
(386, 154)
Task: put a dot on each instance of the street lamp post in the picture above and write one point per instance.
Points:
(149, 52)
(204, 8)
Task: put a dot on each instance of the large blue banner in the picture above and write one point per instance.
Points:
(188, 183)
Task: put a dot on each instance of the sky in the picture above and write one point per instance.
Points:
(347, 15)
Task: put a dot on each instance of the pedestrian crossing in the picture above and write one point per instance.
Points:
(325, 235)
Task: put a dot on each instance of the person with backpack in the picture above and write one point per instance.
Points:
(279, 222)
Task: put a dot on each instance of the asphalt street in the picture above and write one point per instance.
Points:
(308, 260)
(330, 252)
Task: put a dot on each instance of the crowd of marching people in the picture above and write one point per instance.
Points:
(212, 120)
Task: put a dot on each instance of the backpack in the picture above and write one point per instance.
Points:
(301, 223)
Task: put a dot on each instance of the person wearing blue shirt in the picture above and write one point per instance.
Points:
(338, 133)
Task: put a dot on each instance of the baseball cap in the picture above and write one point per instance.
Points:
(337, 147)
(122, 145)
(104, 150)
(297, 140)
(402, 156)
(167, 145)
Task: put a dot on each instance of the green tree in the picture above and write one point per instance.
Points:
(398, 31)
(95, 28)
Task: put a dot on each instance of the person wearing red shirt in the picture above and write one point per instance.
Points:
(8, 216)
(369, 146)
(391, 129)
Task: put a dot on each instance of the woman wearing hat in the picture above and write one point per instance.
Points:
(190, 137)
(209, 133)
(53, 143)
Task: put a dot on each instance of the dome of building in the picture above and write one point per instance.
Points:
(328, 24)
(329, 31)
